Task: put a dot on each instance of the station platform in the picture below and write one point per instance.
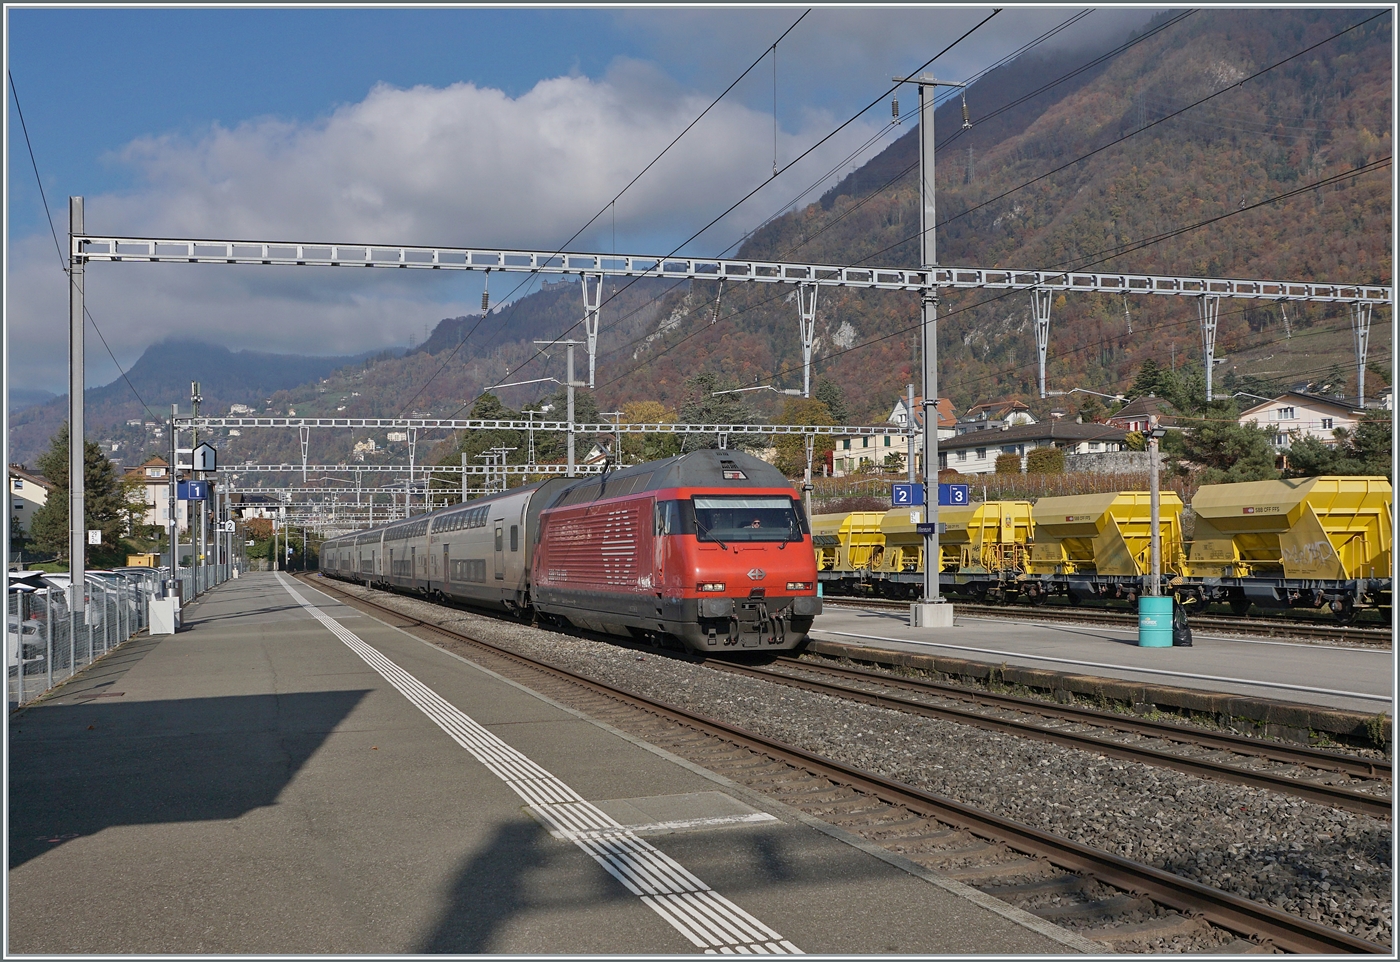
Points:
(287, 776)
(1353, 680)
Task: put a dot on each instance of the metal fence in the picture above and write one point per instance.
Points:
(47, 643)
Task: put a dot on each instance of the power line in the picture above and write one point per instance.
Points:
(830, 356)
(62, 261)
(846, 123)
(613, 202)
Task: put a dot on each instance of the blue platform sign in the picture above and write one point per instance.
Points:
(953, 495)
(906, 495)
(192, 490)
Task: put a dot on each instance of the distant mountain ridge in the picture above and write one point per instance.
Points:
(162, 377)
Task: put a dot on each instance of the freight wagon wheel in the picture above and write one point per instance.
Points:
(1239, 606)
(1346, 614)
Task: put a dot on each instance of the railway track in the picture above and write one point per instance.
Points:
(1048, 875)
(842, 682)
(1253, 628)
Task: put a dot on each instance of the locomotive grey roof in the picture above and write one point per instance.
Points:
(698, 469)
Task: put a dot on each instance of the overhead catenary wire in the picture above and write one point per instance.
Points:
(879, 134)
(842, 126)
(882, 132)
(1328, 181)
(611, 205)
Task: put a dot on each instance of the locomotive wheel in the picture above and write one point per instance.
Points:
(1239, 606)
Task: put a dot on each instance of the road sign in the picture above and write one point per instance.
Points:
(204, 458)
(926, 528)
(953, 495)
(94, 536)
(192, 490)
(906, 495)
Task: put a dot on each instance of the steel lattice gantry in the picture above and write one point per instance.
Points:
(808, 277)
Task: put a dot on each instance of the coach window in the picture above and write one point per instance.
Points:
(515, 537)
(499, 539)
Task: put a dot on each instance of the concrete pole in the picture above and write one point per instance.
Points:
(172, 527)
(928, 222)
(811, 442)
(909, 407)
(570, 392)
(77, 448)
(464, 477)
(1154, 470)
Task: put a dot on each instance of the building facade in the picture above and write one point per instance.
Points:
(28, 493)
(976, 452)
(1296, 415)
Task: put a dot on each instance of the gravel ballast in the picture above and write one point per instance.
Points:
(1323, 864)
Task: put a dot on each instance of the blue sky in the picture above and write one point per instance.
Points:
(449, 126)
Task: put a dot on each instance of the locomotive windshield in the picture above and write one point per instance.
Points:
(747, 519)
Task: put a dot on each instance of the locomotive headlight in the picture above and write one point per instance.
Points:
(710, 586)
(799, 586)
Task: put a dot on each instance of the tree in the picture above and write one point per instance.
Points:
(1227, 450)
(829, 393)
(792, 448)
(1134, 441)
(1008, 464)
(703, 406)
(474, 444)
(1148, 380)
(638, 448)
(104, 504)
(1049, 460)
(894, 463)
(1091, 410)
(1362, 452)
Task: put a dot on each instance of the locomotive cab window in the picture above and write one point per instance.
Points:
(748, 519)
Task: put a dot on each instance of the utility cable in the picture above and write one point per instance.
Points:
(1328, 181)
(983, 119)
(784, 169)
(612, 203)
(62, 261)
(915, 235)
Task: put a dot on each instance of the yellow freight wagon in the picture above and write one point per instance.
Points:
(903, 545)
(847, 542)
(1105, 534)
(142, 560)
(987, 537)
(1329, 528)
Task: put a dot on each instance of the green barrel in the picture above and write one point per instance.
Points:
(1154, 621)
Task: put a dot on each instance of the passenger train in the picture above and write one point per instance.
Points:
(711, 548)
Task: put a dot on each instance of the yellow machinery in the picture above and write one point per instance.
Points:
(986, 537)
(142, 560)
(843, 542)
(1329, 528)
(1104, 534)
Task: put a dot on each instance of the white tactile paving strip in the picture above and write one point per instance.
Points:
(711, 922)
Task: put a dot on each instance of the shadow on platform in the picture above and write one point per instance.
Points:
(77, 769)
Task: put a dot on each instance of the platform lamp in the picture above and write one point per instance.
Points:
(1154, 469)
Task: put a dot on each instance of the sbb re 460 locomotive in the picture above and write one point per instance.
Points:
(711, 548)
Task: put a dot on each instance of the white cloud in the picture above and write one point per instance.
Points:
(455, 166)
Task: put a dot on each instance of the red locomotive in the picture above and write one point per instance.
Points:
(711, 547)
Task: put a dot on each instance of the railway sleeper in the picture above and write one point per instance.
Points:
(1095, 910)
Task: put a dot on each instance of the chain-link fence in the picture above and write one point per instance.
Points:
(47, 643)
